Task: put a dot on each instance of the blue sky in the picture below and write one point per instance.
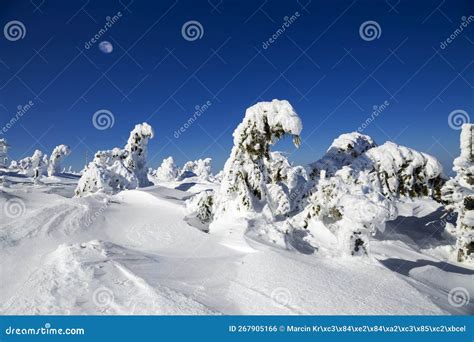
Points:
(320, 63)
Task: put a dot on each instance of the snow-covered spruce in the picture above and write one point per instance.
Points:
(167, 171)
(458, 194)
(244, 185)
(201, 205)
(136, 152)
(401, 171)
(118, 169)
(34, 166)
(286, 184)
(59, 153)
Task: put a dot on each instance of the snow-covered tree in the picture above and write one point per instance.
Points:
(355, 184)
(136, 152)
(59, 153)
(342, 152)
(458, 194)
(402, 171)
(167, 171)
(200, 168)
(118, 169)
(36, 165)
(351, 210)
(245, 181)
(201, 205)
(286, 184)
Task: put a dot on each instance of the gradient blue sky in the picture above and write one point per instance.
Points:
(331, 76)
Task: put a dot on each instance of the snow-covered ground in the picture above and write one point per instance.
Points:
(137, 252)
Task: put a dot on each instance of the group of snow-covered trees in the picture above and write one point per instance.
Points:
(168, 171)
(352, 190)
(40, 165)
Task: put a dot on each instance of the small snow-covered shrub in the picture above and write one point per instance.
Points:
(59, 153)
(167, 171)
(244, 185)
(201, 205)
(458, 194)
(118, 169)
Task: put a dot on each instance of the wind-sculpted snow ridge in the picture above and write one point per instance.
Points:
(458, 193)
(58, 154)
(119, 169)
(244, 183)
(93, 278)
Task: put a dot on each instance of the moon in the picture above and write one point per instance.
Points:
(106, 47)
